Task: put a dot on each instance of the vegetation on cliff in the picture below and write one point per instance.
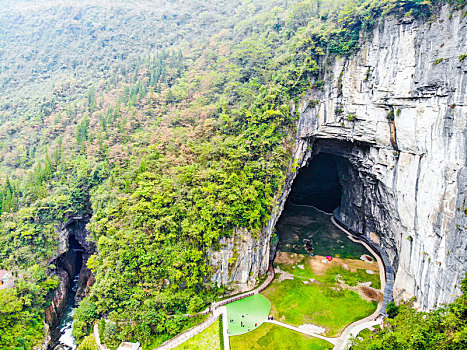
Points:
(443, 329)
(174, 122)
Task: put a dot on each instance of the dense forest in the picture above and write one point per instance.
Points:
(170, 123)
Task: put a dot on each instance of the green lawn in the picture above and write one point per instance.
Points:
(206, 340)
(255, 310)
(297, 303)
(187, 324)
(354, 278)
(272, 337)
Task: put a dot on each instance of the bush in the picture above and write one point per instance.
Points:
(89, 343)
(195, 304)
(111, 335)
(392, 310)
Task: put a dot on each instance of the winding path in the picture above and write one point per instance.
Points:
(217, 309)
(343, 341)
(340, 343)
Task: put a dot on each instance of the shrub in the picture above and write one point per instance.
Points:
(438, 61)
(89, 343)
(392, 310)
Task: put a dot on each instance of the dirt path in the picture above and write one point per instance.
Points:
(285, 325)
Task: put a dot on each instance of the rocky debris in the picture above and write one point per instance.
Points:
(282, 275)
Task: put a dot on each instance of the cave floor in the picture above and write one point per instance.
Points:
(328, 291)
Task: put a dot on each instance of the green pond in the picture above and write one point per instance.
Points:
(302, 229)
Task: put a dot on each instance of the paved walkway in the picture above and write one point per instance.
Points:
(316, 335)
(383, 259)
(340, 343)
(183, 337)
(225, 328)
(97, 338)
(217, 309)
(343, 342)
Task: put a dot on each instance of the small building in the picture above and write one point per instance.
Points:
(129, 346)
(6, 279)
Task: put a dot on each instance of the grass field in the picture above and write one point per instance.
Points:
(272, 337)
(255, 310)
(206, 340)
(190, 322)
(297, 303)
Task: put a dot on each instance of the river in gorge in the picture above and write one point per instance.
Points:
(66, 340)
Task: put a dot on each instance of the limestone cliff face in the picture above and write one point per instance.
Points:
(402, 102)
(399, 109)
(240, 260)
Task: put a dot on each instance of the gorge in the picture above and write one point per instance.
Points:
(75, 281)
(160, 158)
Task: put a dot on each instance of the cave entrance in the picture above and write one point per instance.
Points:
(318, 183)
(305, 225)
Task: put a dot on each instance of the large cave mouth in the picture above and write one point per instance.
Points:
(320, 188)
(318, 183)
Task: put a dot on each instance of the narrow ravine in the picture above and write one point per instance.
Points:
(65, 339)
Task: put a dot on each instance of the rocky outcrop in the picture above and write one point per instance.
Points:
(70, 259)
(240, 260)
(85, 281)
(57, 306)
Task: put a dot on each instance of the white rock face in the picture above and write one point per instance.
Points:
(406, 190)
(240, 260)
(415, 187)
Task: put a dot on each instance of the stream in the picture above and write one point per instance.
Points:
(66, 340)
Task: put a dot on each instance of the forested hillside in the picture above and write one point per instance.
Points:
(169, 122)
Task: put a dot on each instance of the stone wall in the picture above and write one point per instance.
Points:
(401, 102)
